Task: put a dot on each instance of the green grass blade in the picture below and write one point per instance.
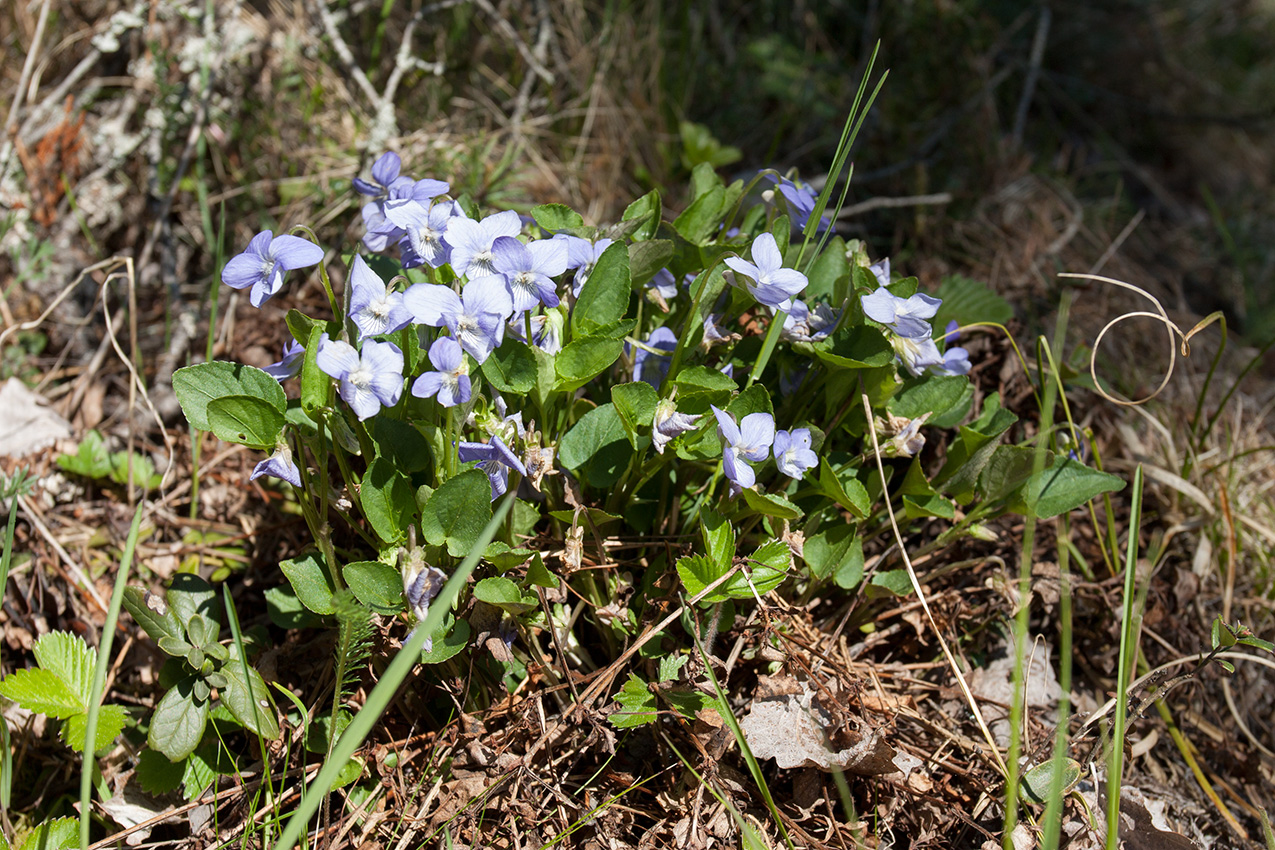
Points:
(99, 673)
(379, 699)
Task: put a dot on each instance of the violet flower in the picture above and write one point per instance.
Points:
(495, 459)
(750, 440)
(792, 452)
(423, 227)
(476, 317)
(471, 241)
(649, 366)
(765, 278)
(668, 423)
(278, 465)
(420, 585)
(803, 325)
(450, 384)
(263, 264)
(368, 380)
(290, 365)
(374, 309)
(528, 269)
(904, 316)
(800, 200)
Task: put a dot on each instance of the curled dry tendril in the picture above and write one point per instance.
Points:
(1161, 316)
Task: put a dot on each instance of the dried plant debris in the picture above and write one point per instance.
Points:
(796, 730)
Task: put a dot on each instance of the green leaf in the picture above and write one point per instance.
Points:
(245, 420)
(555, 217)
(647, 210)
(604, 298)
(755, 399)
(178, 722)
(311, 582)
(249, 700)
(836, 551)
(637, 705)
(91, 458)
(511, 368)
(698, 223)
(671, 666)
(849, 492)
(286, 611)
(769, 504)
(110, 723)
(597, 446)
(1006, 469)
(448, 641)
(1067, 484)
(401, 443)
(859, 347)
(934, 394)
(719, 539)
(42, 691)
(539, 575)
(197, 776)
(156, 774)
(1038, 780)
(830, 267)
(702, 378)
(767, 567)
(57, 834)
(969, 301)
(457, 511)
(388, 499)
(894, 582)
(196, 386)
(505, 594)
(378, 586)
(698, 572)
(635, 403)
(316, 384)
(188, 595)
(647, 258)
(582, 360)
(702, 150)
(504, 557)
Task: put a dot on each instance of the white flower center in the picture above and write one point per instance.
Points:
(361, 377)
(482, 262)
(379, 309)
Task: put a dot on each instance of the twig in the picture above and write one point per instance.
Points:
(890, 203)
(1033, 75)
(11, 123)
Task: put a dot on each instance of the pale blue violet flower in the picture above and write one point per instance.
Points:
(421, 584)
(905, 316)
(368, 380)
(668, 423)
(582, 255)
(792, 452)
(264, 263)
(918, 355)
(388, 188)
(495, 459)
(476, 317)
(374, 309)
(471, 241)
(450, 384)
(956, 360)
(800, 200)
(765, 278)
(881, 271)
(385, 174)
(290, 365)
(423, 226)
(278, 465)
(803, 325)
(749, 440)
(528, 269)
(649, 366)
(546, 330)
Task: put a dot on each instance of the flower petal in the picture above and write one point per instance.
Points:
(432, 304)
(293, 252)
(336, 358)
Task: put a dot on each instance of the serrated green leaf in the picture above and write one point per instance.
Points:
(91, 458)
(894, 582)
(71, 659)
(719, 539)
(57, 834)
(110, 723)
(196, 386)
(637, 705)
(310, 581)
(41, 691)
(671, 665)
(635, 402)
(698, 572)
(178, 722)
(286, 611)
(377, 585)
(967, 301)
(456, 512)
